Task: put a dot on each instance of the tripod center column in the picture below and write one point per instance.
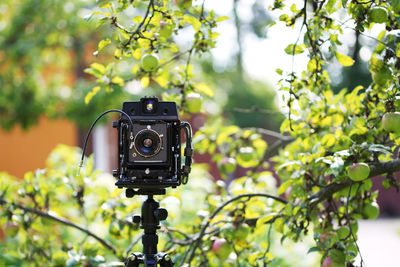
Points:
(150, 224)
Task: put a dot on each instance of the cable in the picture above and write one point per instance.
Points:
(188, 152)
(91, 128)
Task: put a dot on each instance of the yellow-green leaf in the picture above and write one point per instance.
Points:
(137, 53)
(266, 219)
(99, 67)
(398, 50)
(312, 65)
(344, 60)
(196, 24)
(328, 140)
(205, 89)
(145, 81)
(137, 19)
(103, 43)
(91, 94)
(117, 53)
(106, 5)
(294, 50)
(381, 35)
(214, 35)
(118, 80)
(222, 18)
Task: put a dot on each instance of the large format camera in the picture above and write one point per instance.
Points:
(149, 145)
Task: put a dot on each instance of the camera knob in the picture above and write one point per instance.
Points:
(136, 219)
(129, 193)
(115, 124)
(115, 173)
(161, 214)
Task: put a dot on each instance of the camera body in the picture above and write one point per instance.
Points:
(149, 145)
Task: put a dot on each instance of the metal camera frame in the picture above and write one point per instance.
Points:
(143, 174)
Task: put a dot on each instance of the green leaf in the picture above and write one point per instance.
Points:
(313, 249)
(284, 186)
(345, 61)
(294, 50)
(330, 6)
(379, 148)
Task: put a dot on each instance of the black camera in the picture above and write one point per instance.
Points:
(149, 145)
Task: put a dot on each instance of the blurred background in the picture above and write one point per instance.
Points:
(43, 87)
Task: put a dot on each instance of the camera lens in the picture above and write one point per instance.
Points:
(147, 143)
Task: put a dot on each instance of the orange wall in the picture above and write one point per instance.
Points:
(22, 151)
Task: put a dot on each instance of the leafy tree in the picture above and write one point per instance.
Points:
(44, 49)
(328, 151)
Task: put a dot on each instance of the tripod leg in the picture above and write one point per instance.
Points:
(165, 260)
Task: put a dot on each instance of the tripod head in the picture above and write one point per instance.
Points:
(130, 192)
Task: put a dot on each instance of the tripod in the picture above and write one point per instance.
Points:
(150, 219)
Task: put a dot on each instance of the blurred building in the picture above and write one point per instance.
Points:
(23, 151)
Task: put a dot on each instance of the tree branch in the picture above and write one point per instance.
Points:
(255, 109)
(61, 220)
(271, 133)
(376, 170)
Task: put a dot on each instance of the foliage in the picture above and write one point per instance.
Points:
(323, 135)
(68, 216)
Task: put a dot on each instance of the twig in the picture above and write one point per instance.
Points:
(63, 221)
(196, 244)
(151, 3)
(134, 242)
